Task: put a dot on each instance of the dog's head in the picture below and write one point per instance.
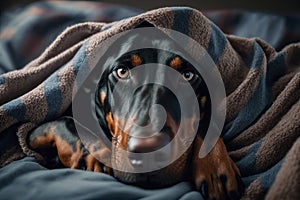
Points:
(138, 111)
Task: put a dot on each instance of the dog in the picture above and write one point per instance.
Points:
(215, 176)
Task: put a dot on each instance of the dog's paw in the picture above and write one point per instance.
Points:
(93, 156)
(61, 136)
(216, 176)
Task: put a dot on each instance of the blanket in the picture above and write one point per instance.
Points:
(262, 85)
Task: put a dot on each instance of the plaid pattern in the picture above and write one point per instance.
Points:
(262, 127)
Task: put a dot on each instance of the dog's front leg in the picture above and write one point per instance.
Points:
(216, 176)
(71, 152)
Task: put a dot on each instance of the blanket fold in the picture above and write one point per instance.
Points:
(263, 93)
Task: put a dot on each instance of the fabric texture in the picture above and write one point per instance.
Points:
(262, 86)
(26, 179)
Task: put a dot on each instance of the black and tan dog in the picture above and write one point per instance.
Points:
(215, 176)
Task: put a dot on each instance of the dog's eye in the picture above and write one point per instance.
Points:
(122, 72)
(187, 75)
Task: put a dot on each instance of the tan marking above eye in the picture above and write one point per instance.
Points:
(176, 62)
(136, 60)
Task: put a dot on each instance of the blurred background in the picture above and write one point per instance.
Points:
(279, 6)
(27, 27)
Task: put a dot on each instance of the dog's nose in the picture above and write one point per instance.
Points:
(147, 144)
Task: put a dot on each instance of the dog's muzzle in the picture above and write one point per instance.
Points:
(138, 147)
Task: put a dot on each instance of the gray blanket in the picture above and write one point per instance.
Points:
(26, 179)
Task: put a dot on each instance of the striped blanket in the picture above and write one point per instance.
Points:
(262, 85)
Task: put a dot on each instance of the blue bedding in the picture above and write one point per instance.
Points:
(26, 179)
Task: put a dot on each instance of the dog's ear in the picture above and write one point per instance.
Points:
(144, 24)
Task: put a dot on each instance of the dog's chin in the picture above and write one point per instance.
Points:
(151, 180)
(164, 177)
